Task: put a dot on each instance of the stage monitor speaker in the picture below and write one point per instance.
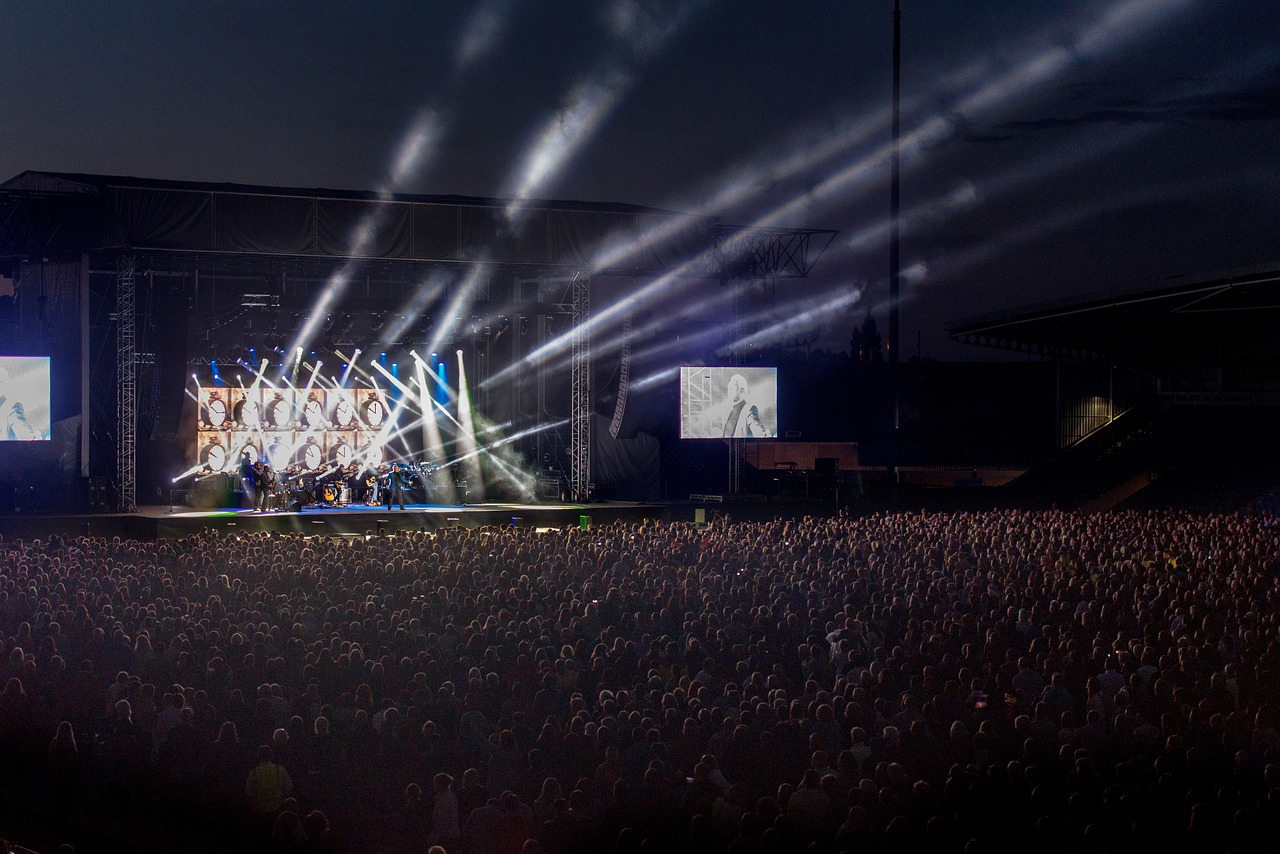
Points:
(99, 494)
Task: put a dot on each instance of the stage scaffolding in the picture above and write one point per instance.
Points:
(126, 384)
(580, 392)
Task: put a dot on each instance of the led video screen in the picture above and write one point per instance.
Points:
(309, 429)
(728, 403)
(24, 399)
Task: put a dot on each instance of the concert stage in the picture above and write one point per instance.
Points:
(151, 523)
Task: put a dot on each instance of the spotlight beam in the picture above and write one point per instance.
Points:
(1021, 80)
(637, 37)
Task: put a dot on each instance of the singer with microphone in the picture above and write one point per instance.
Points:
(738, 417)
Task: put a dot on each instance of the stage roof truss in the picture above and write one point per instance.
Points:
(765, 252)
(112, 213)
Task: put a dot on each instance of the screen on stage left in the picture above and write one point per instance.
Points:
(728, 403)
(24, 399)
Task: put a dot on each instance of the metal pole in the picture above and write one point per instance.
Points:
(894, 197)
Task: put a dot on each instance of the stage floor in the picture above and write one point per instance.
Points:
(153, 522)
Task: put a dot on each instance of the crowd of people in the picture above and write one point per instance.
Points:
(959, 682)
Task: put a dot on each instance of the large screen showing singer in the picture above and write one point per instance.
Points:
(728, 403)
(24, 399)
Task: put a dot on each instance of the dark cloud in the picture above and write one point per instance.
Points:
(1258, 100)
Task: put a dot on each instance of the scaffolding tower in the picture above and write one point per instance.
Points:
(580, 392)
(126, 384)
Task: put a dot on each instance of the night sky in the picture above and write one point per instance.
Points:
(1053, 149)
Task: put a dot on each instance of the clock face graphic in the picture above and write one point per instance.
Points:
(344, 413)
(215, 456)
(216, 411)
(312, 456)
(312, 413)
(342, 455)
(374, 412)
(279, 413)
(277, 454)
(373, 456)
(247, 413)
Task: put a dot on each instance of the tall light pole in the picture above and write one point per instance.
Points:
(894, 204)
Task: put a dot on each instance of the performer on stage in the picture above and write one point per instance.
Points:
(277, 493)
(395, 486)
(264, 482)
(249, 476)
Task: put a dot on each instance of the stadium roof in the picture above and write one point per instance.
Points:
(1232, 315)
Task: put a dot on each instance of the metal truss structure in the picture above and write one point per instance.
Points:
(749, 253)
(126, 384)
(580, 392)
